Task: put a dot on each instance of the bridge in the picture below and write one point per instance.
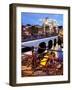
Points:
(35, 43)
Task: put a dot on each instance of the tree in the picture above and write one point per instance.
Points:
(34, 30)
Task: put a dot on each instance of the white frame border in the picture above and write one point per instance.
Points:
(20, 79)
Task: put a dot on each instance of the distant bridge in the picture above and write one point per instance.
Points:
(35, 43)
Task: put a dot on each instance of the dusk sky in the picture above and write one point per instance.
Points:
(35, 18)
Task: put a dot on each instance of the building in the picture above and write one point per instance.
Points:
(50, 25)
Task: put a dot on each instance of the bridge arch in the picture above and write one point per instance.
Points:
(50, 44)
(41, 47)
(55, 41)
